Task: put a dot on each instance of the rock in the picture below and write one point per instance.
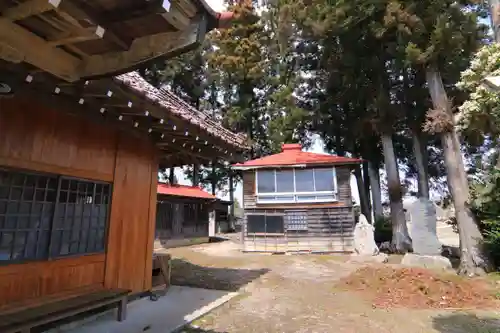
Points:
(426, 261)
(364, 238)
(386, 247)
(423, 228)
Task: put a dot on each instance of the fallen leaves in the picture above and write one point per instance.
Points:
(388, 287)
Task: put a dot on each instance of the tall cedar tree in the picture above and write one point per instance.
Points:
(239, 59)
(355, 94)
(435, 34)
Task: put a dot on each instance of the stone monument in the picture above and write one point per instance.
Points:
(364, 238)
(426, 245)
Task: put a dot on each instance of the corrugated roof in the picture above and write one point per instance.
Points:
(175, 105)
(184, 191)
(292, 154)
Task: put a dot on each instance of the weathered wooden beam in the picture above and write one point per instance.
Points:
(144, 49)
(149, 8)
(79, 35)
(174, 16)
(30, 8)
(187, 7)
(81, 10)
(37, 52)
(10, 54)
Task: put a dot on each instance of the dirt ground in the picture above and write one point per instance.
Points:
(298, 293)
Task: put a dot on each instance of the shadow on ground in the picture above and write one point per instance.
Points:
(185, 273)
(466, 323)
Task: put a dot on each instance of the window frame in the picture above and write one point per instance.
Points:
(266, 214)
(49, 256)
(329, 196)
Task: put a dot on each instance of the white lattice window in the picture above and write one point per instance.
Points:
(296, 185)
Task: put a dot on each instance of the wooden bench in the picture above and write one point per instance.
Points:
(26, 319)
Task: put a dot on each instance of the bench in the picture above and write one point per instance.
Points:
(26, 319)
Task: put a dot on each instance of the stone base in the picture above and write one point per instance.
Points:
(426, 261)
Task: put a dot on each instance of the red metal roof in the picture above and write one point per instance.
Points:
(292, 154)
(184, 191)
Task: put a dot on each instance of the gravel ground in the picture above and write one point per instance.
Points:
(282, 293)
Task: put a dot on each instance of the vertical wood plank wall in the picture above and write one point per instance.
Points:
(173, 229)
(43, 139)
(330, 225)
(130, 244)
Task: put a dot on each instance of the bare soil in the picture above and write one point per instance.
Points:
(308, 293)
(388, 287)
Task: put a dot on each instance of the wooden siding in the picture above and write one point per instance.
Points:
(35, 137)
(131, 232)
(38, 138)
(30, 281)
(328, 230)
(249, 190)
(343, 191)
(173, 228)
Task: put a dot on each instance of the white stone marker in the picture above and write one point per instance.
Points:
(364, 238)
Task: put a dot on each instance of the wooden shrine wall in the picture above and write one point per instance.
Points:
(44, 139)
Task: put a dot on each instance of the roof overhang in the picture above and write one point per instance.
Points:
(182, 134)
(255, 167)
(77, 39)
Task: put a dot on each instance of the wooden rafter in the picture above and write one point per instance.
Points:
(143, 49)
(72, 18)
(175, 16)
(88, 98)
(77, 36)
(83, 11)
(46, 57)
(186, 6)
(30, 8)
(10, 54)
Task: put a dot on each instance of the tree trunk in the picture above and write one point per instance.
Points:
(231, 198)
(419, 150)
(473, 261)
(495, 18)
(363, 200)
(196, 169)
(378, 211)
(400, 239)
(213, 176)
(366, 183)
(171, 176)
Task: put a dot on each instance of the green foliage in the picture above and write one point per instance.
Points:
(486, 205)
(480, 114)
(383, 230)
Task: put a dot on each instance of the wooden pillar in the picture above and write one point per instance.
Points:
(171, 176)
(196, 180)
(231, 198)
